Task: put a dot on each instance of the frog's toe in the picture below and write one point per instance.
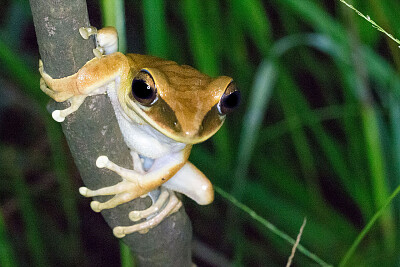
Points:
(163, 198)
(95, 205)
(98, 51)
(102, 161)
(119, 232)
(57, 116)
(84, 191)
(85, 32)
(135, 215)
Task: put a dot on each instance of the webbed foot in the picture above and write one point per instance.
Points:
(171, 206)
(126, 190)
(137, 215)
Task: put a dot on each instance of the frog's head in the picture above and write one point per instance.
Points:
(177, 100)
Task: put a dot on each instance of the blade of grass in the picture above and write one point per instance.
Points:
(332, 150)
(325, 44)
(29, 82)
(316, 16)
(155, 30)
(68, 194)
(29, 213)
(201, 41)
(373, 23)
(269, 225)
(257, 105)
(261, 93)
(127, 259)
(237, 53)
(7, 253)
(368, 227)
(377, 167)
(215, 28)
(394, 114)
(113, 13)
(299, 138)
(258, 27)
(279, 175)
(20, 72)
(332, 112)
(371, 122)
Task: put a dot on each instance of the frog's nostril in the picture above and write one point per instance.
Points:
(190, 133)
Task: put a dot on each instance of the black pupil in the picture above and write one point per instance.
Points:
(141, 89)
(232, 100)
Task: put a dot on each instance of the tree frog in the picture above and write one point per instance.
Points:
(162, 109)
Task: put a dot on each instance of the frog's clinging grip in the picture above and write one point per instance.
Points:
(137, 215)
(162, 109)
(172, 206)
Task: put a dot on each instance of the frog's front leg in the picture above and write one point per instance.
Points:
(91, 79)
(135, 184)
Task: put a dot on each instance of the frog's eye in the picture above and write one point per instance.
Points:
(143, 89)
(229, 100)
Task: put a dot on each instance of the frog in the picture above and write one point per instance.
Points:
(162, 109)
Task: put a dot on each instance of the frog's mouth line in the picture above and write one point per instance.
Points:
(178, 137)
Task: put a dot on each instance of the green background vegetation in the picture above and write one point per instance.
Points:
(317, 134)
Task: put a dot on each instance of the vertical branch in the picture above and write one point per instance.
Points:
(93, 131)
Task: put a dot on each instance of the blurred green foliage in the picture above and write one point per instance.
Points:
(317, 135)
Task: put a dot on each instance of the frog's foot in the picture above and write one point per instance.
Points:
(172, 206)
(106, 39)
(75, 101)
(86, 32)
(124, 192)
(130, 187)
(137, 215)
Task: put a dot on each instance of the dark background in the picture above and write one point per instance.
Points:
(317, 134)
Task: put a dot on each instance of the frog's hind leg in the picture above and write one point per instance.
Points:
(75, 101)
(191, 182)
(172, 206)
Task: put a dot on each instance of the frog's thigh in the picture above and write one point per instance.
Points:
(193, 183)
